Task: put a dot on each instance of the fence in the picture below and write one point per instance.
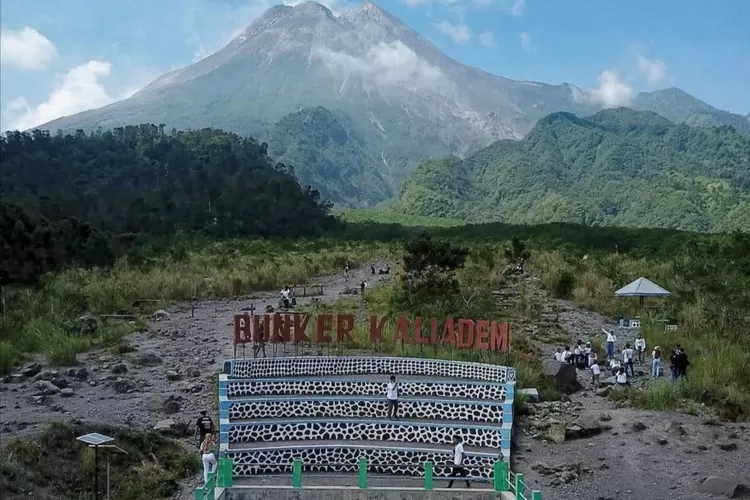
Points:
(502, 479)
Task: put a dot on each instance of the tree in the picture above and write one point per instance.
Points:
(430, 271)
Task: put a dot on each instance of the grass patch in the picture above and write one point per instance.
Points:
(215, 270)
(152, 469)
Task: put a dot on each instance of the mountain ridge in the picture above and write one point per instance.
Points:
(405, 98)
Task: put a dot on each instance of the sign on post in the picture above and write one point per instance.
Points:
(483, 335)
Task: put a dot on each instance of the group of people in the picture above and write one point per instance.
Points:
(585, 358)
(391, 397)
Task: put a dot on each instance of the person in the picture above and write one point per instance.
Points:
(640, 348)
(595, 371)
(372, 269)
(458, 461)
(286, 295)
(627, 359)
(682, 362)
(259, 344)
(208, 456)
(346, 269)
(622, 377)
(362, 287)
(392, 396)
(611, 339)
(558, 354)
(592, 357)
(656, 362)
(614, 366)
(587, 349)
(204, 425)
(673, 364)
(567, 356)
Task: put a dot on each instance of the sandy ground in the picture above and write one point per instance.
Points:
(172, 371)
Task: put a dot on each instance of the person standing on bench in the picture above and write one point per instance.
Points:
(392, 396)
(458, 461)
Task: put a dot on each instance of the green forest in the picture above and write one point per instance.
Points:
(86, 199)
(617, 168)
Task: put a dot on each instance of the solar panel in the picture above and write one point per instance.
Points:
(95, 439)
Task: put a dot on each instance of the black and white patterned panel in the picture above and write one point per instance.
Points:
(317, 366)
(486, 437)
(261, 387)
(354, 408)
(345, 459)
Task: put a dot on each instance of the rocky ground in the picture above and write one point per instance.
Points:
(582, 448)
(587, 448)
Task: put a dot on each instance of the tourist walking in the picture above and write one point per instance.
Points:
(640, 348)
(595, 371)
(458, 461)
(656, 362)
(611, 339)
(627, 359)
(208, 456)
(204, 426)
(392, 396)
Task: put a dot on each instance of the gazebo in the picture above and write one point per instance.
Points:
(642, 288)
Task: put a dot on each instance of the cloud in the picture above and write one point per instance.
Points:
(654, 70)
(487, 38)
(459, 33)
(384, 64)
(611, 91)
(26, 49)
(513, 7)
(525, 40)
(80, 89)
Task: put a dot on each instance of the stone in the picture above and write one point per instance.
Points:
(639, 426)
(608, 382)
(67, 392)
(173, 375)
(719, 486)
(563, 374)
(727, 446)
(171, 407)
(160, 315)
(123, 386)
(86, 325)
(661, 441)
(147, 359)
(677, 429)
(46, 387)
(31, 370)
(165, 426)
(556, 433)
(605, 417)
(119, 368)
(583, 427)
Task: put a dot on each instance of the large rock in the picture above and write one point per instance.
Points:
(583, 427)
(563, 374)
(716, 485)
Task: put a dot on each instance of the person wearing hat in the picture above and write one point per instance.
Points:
(656, 362)
(204, 426)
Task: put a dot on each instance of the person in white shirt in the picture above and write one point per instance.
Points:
(640, 348)
(558, 354)
(458, 461)
(627, 359)
(614, 365)
(286, 294)
(592, 357)
(622, 377)
(567, 356)
(595, 371)
(391, 396)
(611, 339)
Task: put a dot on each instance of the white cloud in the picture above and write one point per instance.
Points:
(611, 91)
(513, 7)
(384, 64)
(80, 89)
(654, 70)
(487, 38)
(460, 33)
(525, 40)
(26, 49)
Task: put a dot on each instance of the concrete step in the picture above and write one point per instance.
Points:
(373, 385)
(296, 407)
(414, 432)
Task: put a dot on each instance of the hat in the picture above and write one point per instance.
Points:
(657, 347)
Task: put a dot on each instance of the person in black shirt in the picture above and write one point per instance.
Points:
(204, 425)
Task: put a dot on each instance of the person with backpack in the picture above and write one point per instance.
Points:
(204, 426)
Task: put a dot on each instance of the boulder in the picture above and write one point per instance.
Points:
(160, 315)
(583, 427)
(46, 387)
(563, 374)
(556, 433)
(719, 486)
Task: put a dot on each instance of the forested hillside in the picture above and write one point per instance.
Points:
(72, 198)
(327, 153)
(619, 167)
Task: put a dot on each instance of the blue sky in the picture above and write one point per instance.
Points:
(65, 56)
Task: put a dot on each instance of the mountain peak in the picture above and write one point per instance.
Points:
(312, 8)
